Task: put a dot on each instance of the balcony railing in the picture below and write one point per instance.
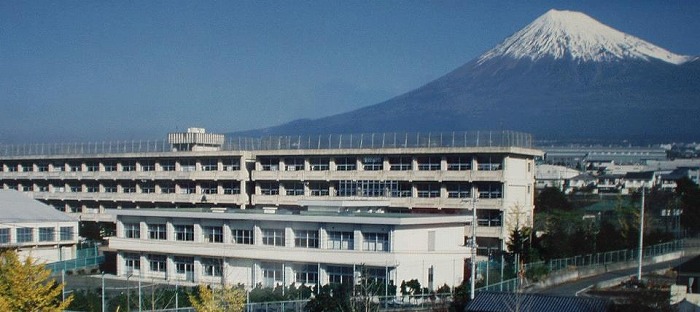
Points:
(328, 141)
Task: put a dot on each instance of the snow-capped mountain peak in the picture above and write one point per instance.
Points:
(569, 34)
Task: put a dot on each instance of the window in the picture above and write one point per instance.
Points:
(27, 167)
(319, 188)
(213, 234)
(12, 168)
(110, 166)
(66, 233)
(375, 241)
(400, 163)
(244, 237)
(306, 274)
(157, 263)
(25, 235)
(110, 188)
(5, 236)
(59, 167)
(211, 267)
(489, 163)
(269, 188)
(272, 274)
(188, 165)
(187, 188)
(429, 163)
(184, 265)
(319, 163)
(148, 187)
(231, 187)
(367, 188)
(459, 163)
(232, 164)
(428, 190)
(184, 232)
(42, 167)
(128, 166)
(74, 167)
(490, 190)
(273, 237)
(294, 188)
(148, 166)
(372, 163)
(294, 164)
(167, 188)
(156, 231)
(128, 187)
(340, 274)
(210, 165)
(210, 188)
(489, 217)
(306, 239)
(269, 164)
(132, 262)
(459, 190)
(402, 189)
(345, 163)
(341, 240)
(92, 166)
(167, 165)
(46, 234)
(376, 275)
(76, 188)
(92, 188)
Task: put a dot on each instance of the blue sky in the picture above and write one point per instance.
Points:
(108, 70)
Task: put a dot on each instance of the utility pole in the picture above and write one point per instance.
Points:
(473, 251)
(641, 238)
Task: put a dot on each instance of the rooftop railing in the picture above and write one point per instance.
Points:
(302, 142)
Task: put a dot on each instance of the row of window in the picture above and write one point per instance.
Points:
(27, 234)
(372, 163)
(186, 187)
(376, 188)
(232, 164)
(272, 273)
(341, 240)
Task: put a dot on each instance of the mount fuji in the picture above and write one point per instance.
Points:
(565, 76)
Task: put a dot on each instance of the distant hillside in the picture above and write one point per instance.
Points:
(564, 76)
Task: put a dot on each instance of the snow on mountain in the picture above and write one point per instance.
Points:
(574, 35)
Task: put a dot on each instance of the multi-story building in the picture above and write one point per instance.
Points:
(444, 173)
(271, 248)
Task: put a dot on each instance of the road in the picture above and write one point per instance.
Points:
(575, 287)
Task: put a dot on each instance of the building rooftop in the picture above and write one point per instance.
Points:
(491, 301)
(17, 207)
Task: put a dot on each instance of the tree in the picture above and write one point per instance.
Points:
(27, 285)
(225, 299)
(689, 194)
(552, 199)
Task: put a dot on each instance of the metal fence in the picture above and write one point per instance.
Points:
(616, 256)
(582, 261)
(85, 257)
(329, 141)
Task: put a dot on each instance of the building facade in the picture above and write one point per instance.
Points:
(443, 174)
(271, 248)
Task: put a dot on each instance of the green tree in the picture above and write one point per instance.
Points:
(552, 199)
(225, 299)
(689, 195)
(27, 285)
